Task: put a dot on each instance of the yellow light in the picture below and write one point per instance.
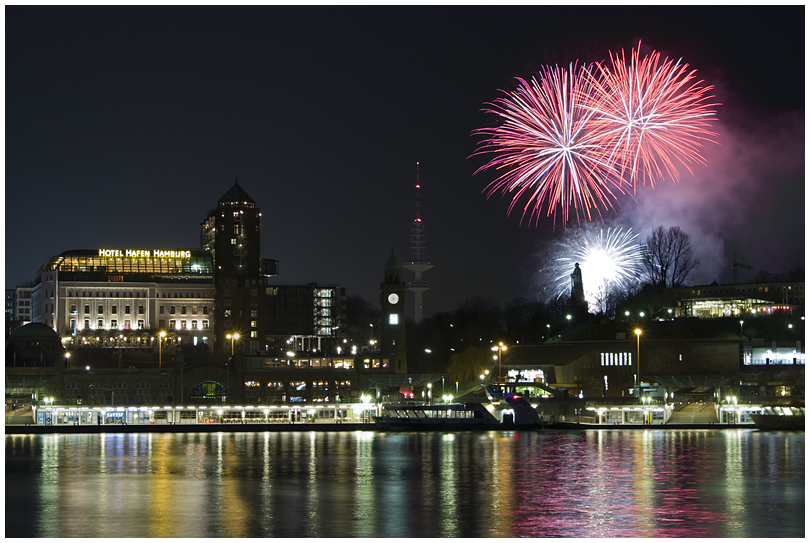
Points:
(638, 331)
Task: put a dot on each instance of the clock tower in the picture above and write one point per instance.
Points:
(392, 300)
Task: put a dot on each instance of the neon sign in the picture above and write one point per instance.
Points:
(143, 253)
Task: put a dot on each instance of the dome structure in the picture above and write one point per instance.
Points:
(34, 344)
(35, 330)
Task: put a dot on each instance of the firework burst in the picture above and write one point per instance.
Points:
(552, 150)
(657, 112)
(573, 139)
(611, 260)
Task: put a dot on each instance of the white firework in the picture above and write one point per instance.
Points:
(611, 260)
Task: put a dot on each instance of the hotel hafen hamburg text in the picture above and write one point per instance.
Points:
(143, 325)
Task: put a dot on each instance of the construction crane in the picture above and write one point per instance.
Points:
(736, 266)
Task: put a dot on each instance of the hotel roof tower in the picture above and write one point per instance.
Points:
(419, 263)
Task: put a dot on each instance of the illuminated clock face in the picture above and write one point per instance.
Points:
(393, 298)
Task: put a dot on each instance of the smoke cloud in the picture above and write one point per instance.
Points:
(748, 199)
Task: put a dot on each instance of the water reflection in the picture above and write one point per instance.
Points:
(729, 483)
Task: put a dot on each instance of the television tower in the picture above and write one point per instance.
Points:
(418, 264)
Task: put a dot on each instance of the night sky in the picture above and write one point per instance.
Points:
(124, 125)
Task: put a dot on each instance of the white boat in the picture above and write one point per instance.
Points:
(436, 417)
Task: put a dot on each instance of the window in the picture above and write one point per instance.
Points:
(126, 309)
(161, 310)
(253, 333)
(205, 310)
(193, 325)
(100, 324)
(183, 325)
(140, 310)
(140, 324)
(205, 324)
(393, 318)
(113, 324)
(114, 310)
(161, 323)
(172, 310)
(86, 309)
(172, 324)
(194, 310)
(101, 310)
(183, 310)
(73, 308)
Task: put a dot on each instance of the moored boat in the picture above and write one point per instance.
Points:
(436, 417)
(780, 418)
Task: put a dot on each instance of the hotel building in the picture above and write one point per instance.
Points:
(123, 296)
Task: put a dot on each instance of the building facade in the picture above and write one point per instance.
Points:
(231, 234)
(304, 318)
(126, 297)
(737, 300)
(392, 299)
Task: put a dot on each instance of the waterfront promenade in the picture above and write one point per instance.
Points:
(11, 429)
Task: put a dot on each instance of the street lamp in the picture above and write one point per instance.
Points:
(741, 334)
(638, 360)
(161, 335)
(67, 360)
(429, 390)
(500, 348)
(232, 337)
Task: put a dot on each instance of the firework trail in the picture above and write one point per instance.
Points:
(658, 114)
(574, 139)
(552, 150)
(611, 260)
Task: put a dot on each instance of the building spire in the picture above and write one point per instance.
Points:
(419, 263)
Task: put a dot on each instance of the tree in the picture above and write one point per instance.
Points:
(668, 258)
(467, 365)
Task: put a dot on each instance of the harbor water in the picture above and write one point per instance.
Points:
(595, 483)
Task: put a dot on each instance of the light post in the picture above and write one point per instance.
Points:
(67, 360)
(638, 361)
(232, 337)
(161, 335)
(500, 348)
(741, 332)
(548, 327)
(429, 390)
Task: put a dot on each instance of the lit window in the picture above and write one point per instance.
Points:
(393, 318)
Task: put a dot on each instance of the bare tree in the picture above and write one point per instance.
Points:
(668, 258)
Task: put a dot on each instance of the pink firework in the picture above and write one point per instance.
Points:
(554, 148)
(657, 112)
